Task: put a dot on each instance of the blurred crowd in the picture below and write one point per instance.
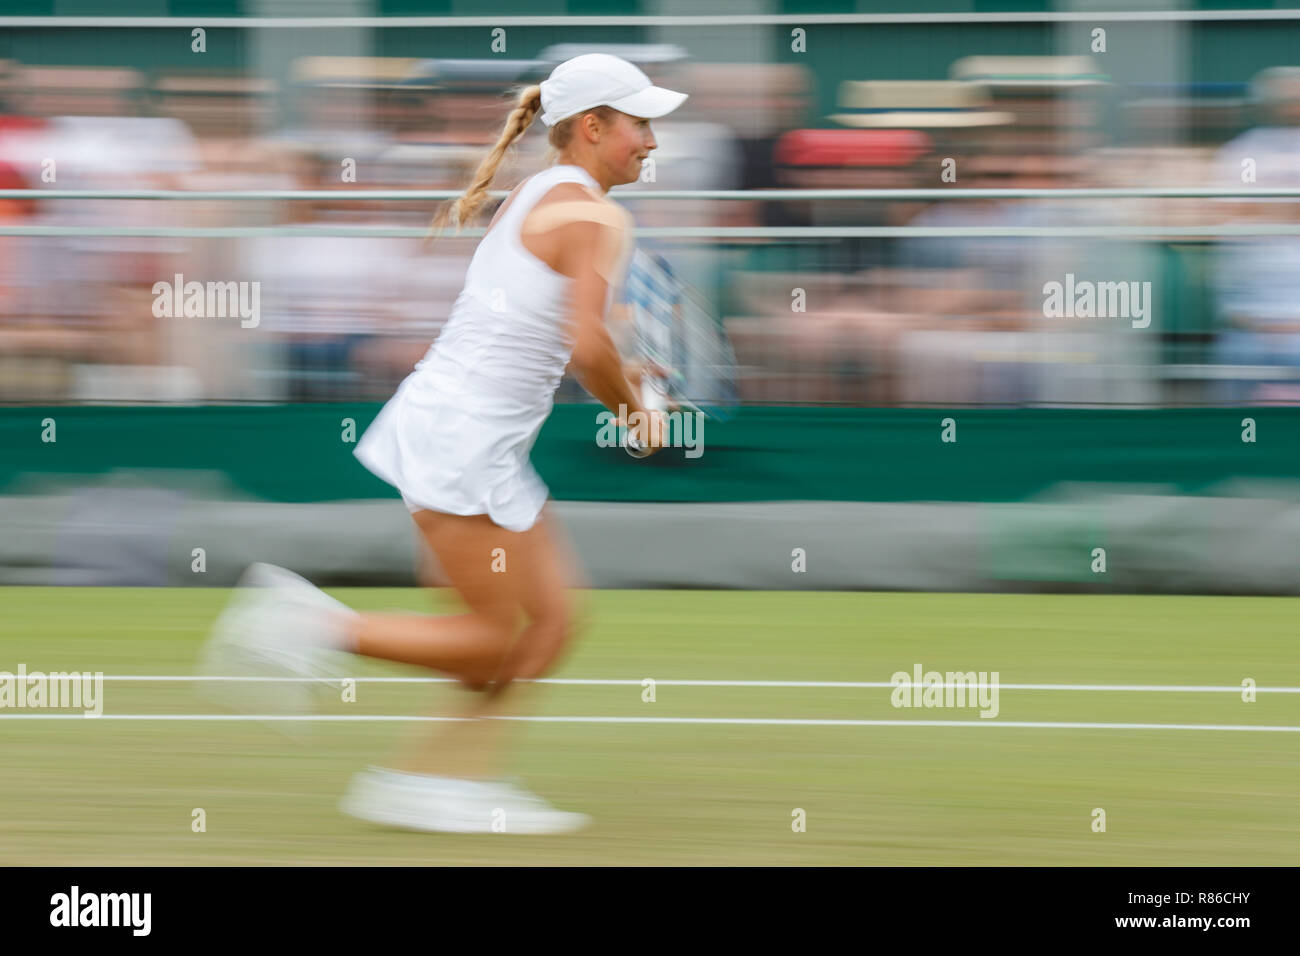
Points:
(900, 319)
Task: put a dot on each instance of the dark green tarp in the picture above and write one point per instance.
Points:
(297, 452)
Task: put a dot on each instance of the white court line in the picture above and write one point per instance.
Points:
(757, 721)
(573, 681)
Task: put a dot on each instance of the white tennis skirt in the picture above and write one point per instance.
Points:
(441, 456)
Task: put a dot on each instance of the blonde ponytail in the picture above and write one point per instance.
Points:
(461, 211)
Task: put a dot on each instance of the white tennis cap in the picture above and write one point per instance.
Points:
(599, 79)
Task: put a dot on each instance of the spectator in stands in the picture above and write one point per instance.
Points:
(1257, 278)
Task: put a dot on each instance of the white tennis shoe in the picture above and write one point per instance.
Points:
(276, 625)
(403, 800)
(448, 805)
(526, 812)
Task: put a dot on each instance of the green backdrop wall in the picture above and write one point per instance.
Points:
(294, 453)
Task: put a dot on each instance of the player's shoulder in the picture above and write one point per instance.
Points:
(579, 208)
(573, 191)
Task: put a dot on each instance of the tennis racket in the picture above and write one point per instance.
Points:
(678, 340)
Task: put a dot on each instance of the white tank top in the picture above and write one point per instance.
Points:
(507, 342)
(456, 435)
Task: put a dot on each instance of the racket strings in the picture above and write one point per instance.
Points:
(678, 330)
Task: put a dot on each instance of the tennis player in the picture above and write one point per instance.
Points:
(455, 441)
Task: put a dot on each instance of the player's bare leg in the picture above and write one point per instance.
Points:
(468, 645)
(538, 569)
(450, 778)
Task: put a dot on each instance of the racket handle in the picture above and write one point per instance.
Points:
(634, 447)
(654, 399)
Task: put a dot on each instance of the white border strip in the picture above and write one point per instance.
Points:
(729, 721)
(732, 20)
(599, 682)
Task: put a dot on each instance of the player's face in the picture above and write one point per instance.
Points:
(630, 143)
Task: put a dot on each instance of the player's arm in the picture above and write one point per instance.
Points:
(623, 331)
(592, 237)
(596, 361)
(592, 254)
